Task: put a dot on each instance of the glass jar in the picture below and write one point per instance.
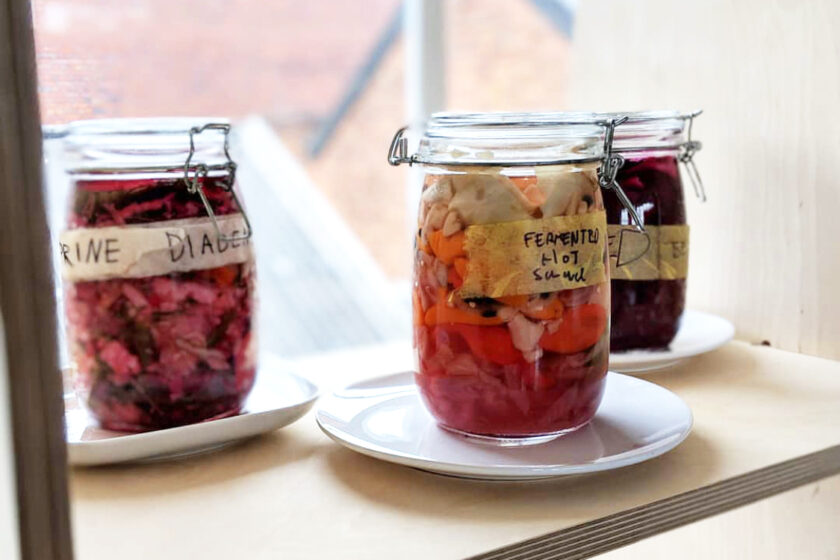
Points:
(511, 277)
(158, 273)
(648, 288)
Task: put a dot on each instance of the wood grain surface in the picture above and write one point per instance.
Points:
(765, 248)
(296, 494)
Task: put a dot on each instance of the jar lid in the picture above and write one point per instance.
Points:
(641, 130)
(634, 131)
(518, 139)
(503, 139)
(193, 148)
(652, 130)
(143, 145)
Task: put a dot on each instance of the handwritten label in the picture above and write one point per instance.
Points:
(662, 254)
(535, 256)
(151, 249)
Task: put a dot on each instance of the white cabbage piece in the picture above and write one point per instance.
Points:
(487, 198)
(566, 191)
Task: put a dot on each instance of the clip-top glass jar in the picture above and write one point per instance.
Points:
(158, 273)
(511, 276)
(648, 291)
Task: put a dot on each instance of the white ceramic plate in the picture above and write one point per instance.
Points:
(278, 399)
(385, 418)
(699, 333)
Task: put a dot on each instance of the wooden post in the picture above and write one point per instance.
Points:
(27, 303)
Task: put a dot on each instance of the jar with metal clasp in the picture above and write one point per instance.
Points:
(511, 275)
(158, 273)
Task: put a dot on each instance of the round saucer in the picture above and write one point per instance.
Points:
(699, 333)
(277, 399)
(386, 419)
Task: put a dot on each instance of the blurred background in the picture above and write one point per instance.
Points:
(318, 89)
(327, 76)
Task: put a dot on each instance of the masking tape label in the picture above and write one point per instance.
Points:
(535, 256)
(662, 254)
(152, 249)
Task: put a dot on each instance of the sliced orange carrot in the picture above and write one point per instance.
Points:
(523, 183)
(447, 249)
(452, 277)
(440, 313)
(442, 294)
(514, 301)
(422, 245)
(552, 310)
(493, 344)
(460, 265)
(529, 188)
(581, 328)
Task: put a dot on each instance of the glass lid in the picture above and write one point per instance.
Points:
(503, 139)
(641, 130)
(651, 130)
(137, 145)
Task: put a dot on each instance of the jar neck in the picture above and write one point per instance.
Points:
(129, 175)
(632, 154)
(121, 182)
(510, 171)
(144, 147)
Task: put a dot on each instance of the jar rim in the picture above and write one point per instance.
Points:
(140, 145)
(641, 130)
(652, 130)
(466, 118)
(508, 139)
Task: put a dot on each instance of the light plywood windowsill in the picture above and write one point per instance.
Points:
(296, 494)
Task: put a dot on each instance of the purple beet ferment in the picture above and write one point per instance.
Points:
(646, 313)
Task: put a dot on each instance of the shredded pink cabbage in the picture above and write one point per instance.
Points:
(165, 350)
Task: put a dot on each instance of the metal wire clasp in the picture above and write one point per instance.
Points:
(398, 152)
(608, 171)
(201, 171)
(686, 156)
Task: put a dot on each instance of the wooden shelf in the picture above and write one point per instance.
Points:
(765, 421)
